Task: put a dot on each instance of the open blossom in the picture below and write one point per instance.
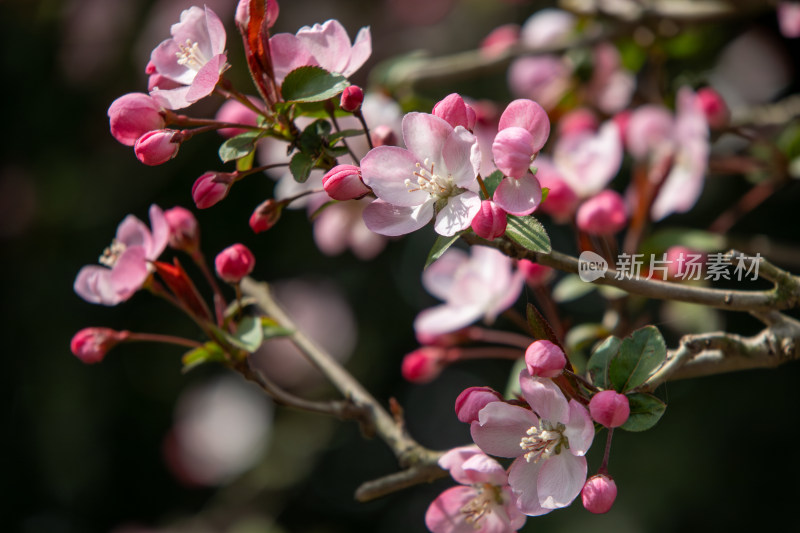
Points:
(588, 160)
(478, 286)
(326, 45)
(483, 503)
(434, 177)
(126, 262)
(194, 57)
(548, 443)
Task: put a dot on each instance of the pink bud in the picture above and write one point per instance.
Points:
(472, 400)
(622, 119)
(609, 408)
(603, 214)
(714, 107)
(578, 121)
(234, 262)
(236, 112)
(423, 364)
(499, 40)
(266, 215)
(561, 200)
(789, 19)
(544, 359)
(211, 188)
(490, 221)
(184, 232)
(90, 345)
(599, 493)
(513, 151)
(536, 275)
(132, 115)
(455, 111)
(352, 98)
(383, 135)
(158, 147)
(343, 182)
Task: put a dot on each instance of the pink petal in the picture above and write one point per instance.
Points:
(545, 398)
(93, 284)
(580, 429)
(133, 232)
(523, 478)
(462, 158)
(362, 49)
(172, 98)
(425, 137)
(528, 115)
(589, 161)
(500, 428)
(649, 127)
(561, 479)
(518, 196)
(446, 318)
(164, 57)
(454, 458)
(457, 215)
(328, 43)
(206, 79)
(390, 220)
(513, 152)
(129, 272)
(385, 169)
(481, 468)
(438, 278)
(216, 32)
(288, 53)
(444, 513)
(159, 233)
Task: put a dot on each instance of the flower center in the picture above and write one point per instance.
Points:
(481, 504)
(426, 179)
(190, 56)
(544, 441)
(111, 253)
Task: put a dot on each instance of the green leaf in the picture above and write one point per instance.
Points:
(601, 359)
(492, 181)
(344, 133)
(439, 247)
(571, 287)
(545, 194)
(209, 352)
(315, 136)
(312, 84)
(273, 329)
(249, 334)
(239, 146)
(639, 356)
(300, 166)
(646, 411)
(528, 232)
(245, 163)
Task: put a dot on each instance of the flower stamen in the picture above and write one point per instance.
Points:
(111, 254)
(543, 441)
(190, 56)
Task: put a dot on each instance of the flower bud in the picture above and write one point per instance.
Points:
(490, 221)
(234, 262)
(544, 359)
(184, 231)
(536, 275)
(352, 98)
(90, 345)
(236, 112)
(714, 107)
(211, 188)
(513, 151)
(383, 135)
(424, 364)
(455, 111)
(599, 493)
(266, 215)
(789, 19)
(132, 115)
(603, 214)
(609, 408)
(472, 400)
(499, 40)
(343, 182)
(158, 147)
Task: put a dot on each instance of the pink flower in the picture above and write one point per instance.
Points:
(610, 408)
(326, 45)
(90, 345)
(611, 86)
(455, 111)
(236, 112)
(499, 40)
(125, 262)
(184, 231)
(478, 286)
(157, 147)
(490, 222)
(210, 188)
(234, 262)
(132, 115)
(543, 78)
(599, 493)
(544, 359)
(194, 57)
(588, 161)
(604, 214)
(482, 504)
(242, 17)
(547, 27)
(547, 442)
(472, 400)
(352, 98)
(789, 19)
(577, 121)
(343, 182)
(341, 226)
(434, 177)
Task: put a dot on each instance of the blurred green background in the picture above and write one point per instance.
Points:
(84, 446)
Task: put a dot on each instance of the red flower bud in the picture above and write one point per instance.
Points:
(90, 345)
(184, 231)
(343, 182)
(266, 215)
(490, 221)
(604, 214)
(423, 364)
(455, 111)
(609, 408)
(132, 115)
(472, 400)
(544, 359)
(599, 493)
(352, 98)
(211, 188)
(234, 262)
(714, 107)
(158, 147)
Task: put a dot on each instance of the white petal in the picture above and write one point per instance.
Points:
(446, 318)
(500, 428)
(457, 215)
(523, 477)
(561, 479)
(425, 136)
(545, 398)
(390, 220)
(580, 429)
(519, 196)
(438, 278)
(386, 170)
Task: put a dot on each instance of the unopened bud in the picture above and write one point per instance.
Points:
(266, 215)
(132, 115)
(343, 182)
(599, 493)
(604, 214)
(234, 263)
(535, 274)
(455, 111)
(158, 147)
(352, 98)
(211, 188)
(544, 359)
(714, 107)
(609, 408)
(472, 400)
(513, 151)
(424, 364)
(90, 345)
(490, 222)
(383, 135)
(184, 231)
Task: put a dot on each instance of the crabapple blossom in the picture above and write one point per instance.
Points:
(577, 121)
(343, 182)
(194, 57)
(548, 443)
(132, 115)
(434, 178)
(352, 98)
(588, 161)
(609, 408)
(544, 359)
(126, 262)
(266, 215)
(184, 231)
(611, 86)
(157, 147)
(599, 493)
(472, 400)
(455, 111)
(543, 78)
(90, 345)
(604, 214)
(234, 262)
(547, 27)
(483, 503)
(482, 284)
(158, 81)
(341, 226)
(561, 199)
(210, 188)
(490, 222)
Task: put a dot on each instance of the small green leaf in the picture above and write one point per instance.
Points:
(646, 411)
(571, 287)
(439, 247)
(528, 232)
(545, 194)
(209, 352)
(249, 334)
(245, 163)
(344, 133)
(273, 329)
(300, 166)
(239, 146)
(312, 84)
(639, 356)
(315, 137)
(492, 181)
(601, 359)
